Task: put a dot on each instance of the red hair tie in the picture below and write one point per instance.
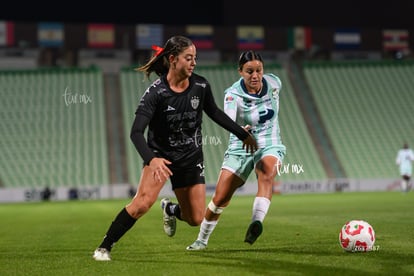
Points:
(157, 50)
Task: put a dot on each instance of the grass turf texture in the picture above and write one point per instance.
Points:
(300, 237)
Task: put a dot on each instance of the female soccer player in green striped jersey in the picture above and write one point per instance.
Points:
(253, 102)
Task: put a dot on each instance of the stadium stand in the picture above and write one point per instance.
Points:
(15, 58)
(52, 128)
(366, 108)
(132, 86)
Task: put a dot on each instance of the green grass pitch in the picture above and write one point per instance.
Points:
(300, 237)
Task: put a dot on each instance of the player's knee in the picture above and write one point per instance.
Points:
(137, 211)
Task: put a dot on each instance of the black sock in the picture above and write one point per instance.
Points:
(122, 223)
(175, 210)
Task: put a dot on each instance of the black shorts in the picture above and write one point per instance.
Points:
(184, 177)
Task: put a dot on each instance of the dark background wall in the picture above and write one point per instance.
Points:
(316, 13)
(323, 17)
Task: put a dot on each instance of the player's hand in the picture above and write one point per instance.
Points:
(249, 143)
(159, 169)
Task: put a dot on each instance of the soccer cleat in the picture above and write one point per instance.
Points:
(253, 232)
(169, 221)
(101, 254)
(197, 245)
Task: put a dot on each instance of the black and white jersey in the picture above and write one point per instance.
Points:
(174, 121)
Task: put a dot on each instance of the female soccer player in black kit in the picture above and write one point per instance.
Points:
(171, 108)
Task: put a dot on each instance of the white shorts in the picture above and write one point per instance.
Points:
(243, 164)
(406, 170)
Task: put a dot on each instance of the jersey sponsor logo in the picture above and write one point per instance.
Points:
(195, 101)
(201, 167)
(156, 82)
(169, 108)
(265, 115)
(201, 84)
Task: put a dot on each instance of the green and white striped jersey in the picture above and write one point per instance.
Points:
(259, 111)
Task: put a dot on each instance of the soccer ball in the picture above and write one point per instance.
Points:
(357, 236)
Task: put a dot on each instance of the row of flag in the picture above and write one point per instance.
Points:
(249, 37)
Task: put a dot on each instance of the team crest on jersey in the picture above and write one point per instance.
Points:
(229, 98)
(195, 101)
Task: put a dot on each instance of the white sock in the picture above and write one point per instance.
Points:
(404, 185)
(206, 228)
(260, 208)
